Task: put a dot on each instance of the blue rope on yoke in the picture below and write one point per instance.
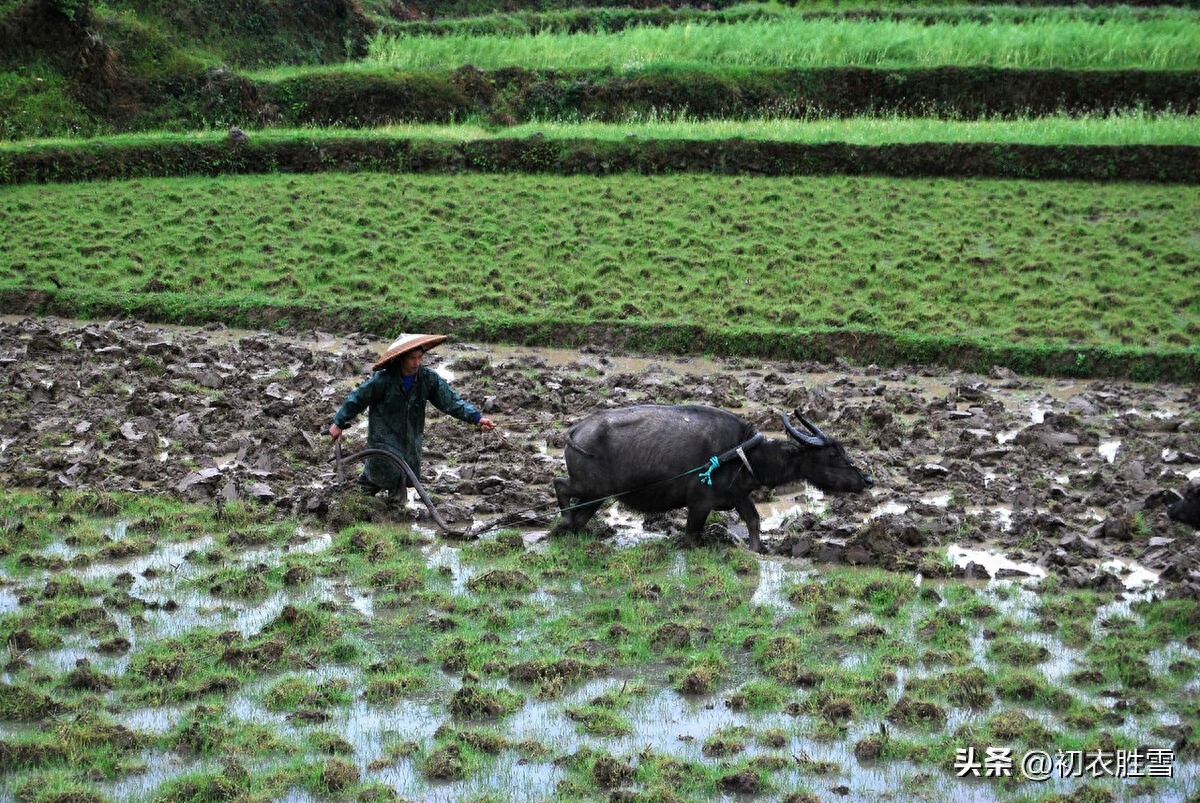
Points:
(706, 476)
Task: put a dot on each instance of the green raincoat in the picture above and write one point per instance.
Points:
(396, 420)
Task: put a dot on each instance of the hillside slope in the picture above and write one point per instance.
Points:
(68, 67)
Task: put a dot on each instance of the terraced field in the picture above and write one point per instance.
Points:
(964, 238)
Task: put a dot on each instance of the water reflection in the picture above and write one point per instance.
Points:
(449, 560)
(1132, 574)
(660, 718)
(9, 601)
(771, 575)
(158, 767)
(888, 508)
(992, 562)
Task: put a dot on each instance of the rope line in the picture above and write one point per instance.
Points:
(507, 521)
(713, 463)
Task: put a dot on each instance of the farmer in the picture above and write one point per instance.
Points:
(395, 398)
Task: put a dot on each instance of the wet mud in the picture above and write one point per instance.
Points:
(1012, 476)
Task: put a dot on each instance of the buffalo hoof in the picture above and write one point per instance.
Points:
(565, 527)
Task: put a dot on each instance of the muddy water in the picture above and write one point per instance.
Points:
(662, 720)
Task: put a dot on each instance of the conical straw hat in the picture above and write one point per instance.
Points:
(406, 343)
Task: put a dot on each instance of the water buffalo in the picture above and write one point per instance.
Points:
(1187, 509)
(655, 458)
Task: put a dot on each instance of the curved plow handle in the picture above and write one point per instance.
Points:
(416, 483)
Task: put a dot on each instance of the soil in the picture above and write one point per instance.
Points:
(1061, 477)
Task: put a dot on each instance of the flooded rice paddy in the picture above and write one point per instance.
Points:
(661, 720)
(195, 608)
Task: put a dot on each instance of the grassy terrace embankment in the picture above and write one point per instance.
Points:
(1130, 128)
(1174, 164)
(613, 19)
(1054, 39)
(1040, 276)
(784, 65)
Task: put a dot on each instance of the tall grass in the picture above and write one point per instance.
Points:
(1124, 128)
(1133, 128)
(1159, 44)
(592, 19)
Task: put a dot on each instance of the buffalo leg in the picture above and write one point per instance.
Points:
(574, 517)
(749, 514)
(697, 517)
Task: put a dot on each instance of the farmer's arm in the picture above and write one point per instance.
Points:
(445, 399)
(359, 399)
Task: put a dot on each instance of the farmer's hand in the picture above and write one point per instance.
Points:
(335, 431)
(486, 424)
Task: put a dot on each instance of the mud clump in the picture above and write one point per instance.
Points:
(472, 702)
(566, 670)
(909, 711)
(84, 678)
(671, 636)
(745, 782)
(257, 657)
(338, 775)
(837, 711)
(16, 754)
(446, 763)
(23, 639)
(500, 580)
(698, 681)
(298, 575)
(26, 704)
(610, 773)
(870, 747)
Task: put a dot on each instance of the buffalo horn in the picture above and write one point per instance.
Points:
(818, 437)
(813, 428)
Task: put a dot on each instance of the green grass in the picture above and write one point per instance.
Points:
(38, 102)
(1132, 128)
(613, 19)
(987, 262)
(1116, 43)
(1121, 128)
(781, 684)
